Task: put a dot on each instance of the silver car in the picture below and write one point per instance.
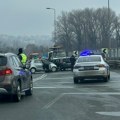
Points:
(37, 65)
(91, 67)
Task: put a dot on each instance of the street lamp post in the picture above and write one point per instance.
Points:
(109, 29)
(54, 22)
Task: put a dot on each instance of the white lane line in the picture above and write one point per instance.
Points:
(64, 82)
(39, 78)
(50, 87)
(109, 113)
(116, 81)
(52, 102)
(60, 78)
(94, 93)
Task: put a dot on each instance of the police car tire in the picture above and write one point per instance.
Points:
(106, 79)
(109, 76)
(75, 80)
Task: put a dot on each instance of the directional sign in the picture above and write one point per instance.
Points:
(105, 50)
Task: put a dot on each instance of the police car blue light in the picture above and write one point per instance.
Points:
(86, 53)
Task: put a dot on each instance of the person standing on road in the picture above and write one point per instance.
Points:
(72, 60)
(22, 56)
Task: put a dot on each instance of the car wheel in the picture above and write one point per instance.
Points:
(106, 79)
(109, 76)
(33, 70)
(53, 69)
(17, 96)
(81, 80)
(75, 80)
(30, 90)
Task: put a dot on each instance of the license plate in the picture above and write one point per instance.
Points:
(89, 68)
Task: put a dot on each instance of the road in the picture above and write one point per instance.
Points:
(56, 97)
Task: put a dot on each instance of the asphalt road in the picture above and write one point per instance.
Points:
(56, 97)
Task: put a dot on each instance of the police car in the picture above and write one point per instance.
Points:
(90, 66)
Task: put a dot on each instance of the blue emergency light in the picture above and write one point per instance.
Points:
(86, 53)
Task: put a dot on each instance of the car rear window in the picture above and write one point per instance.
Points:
(3, 61)
(89, 59)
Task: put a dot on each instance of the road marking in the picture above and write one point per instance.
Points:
(50, 87)
(52, 102)
(65, 82)
(60, 78)
(109, 113)
(39, 78)
(94, 93)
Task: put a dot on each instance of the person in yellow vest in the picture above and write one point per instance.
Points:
(22, 56)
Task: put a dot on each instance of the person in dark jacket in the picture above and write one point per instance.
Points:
(72, 60)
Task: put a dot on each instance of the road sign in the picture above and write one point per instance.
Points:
(105, 50)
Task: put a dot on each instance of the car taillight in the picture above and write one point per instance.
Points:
(7, 71)
(101, 65)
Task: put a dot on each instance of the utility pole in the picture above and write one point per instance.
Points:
(54, 22)
(109, 40)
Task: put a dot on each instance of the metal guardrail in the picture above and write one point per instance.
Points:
(114, 63)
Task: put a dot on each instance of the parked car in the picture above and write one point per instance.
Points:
(90, 67)
(62, 63)
(14, 77)
(37, 65)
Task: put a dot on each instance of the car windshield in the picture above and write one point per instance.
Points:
(3, 61)
(89, 59)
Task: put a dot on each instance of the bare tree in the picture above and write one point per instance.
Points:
(88, 28)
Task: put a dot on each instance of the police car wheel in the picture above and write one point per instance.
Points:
(33, 70)
(75, 80)
(106, 79)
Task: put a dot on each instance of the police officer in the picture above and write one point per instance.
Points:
(72, 60)
(22, 56)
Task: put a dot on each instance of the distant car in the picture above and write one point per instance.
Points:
(90, 67)
(37, 65)
(62, 63)
(14, 77)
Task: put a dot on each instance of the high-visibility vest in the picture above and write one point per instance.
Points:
(24, 58)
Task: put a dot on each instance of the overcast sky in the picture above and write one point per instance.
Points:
(30, 17)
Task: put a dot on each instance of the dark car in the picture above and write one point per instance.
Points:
(14, 77)
(62, 63)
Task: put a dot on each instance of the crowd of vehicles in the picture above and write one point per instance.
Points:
(16, 78)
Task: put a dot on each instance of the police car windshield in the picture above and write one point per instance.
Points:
(89, 59)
